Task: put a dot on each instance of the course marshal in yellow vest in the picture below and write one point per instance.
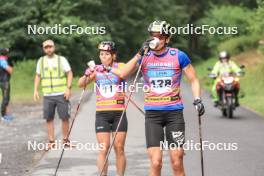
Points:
(53, 79)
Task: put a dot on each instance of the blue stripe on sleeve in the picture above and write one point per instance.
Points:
(184, 59)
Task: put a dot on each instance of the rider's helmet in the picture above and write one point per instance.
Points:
(107, 46)
(224, 55)
(161, 27)
(4, 51)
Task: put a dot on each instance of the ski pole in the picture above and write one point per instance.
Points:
(127, 97)
(69, 132)
(201, 144)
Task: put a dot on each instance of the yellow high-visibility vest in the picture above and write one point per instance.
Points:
(53, 80)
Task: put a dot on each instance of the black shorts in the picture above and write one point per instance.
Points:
(159, 124)
(107, 121)
(51, 103)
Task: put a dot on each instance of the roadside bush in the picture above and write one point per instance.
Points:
(239, 44)
(226, 16)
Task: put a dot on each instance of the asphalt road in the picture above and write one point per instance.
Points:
(28, 125)
(245, 132)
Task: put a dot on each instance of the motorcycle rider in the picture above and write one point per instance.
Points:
(224, 65)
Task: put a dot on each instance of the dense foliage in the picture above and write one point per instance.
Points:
(126, 23)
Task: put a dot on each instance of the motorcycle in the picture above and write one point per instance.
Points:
(227, 87)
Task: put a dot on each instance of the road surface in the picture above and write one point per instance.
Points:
(245, 133)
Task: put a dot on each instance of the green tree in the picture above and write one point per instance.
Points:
(225, 16)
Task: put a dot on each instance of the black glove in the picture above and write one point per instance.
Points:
(199, 106)
(144, 48)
